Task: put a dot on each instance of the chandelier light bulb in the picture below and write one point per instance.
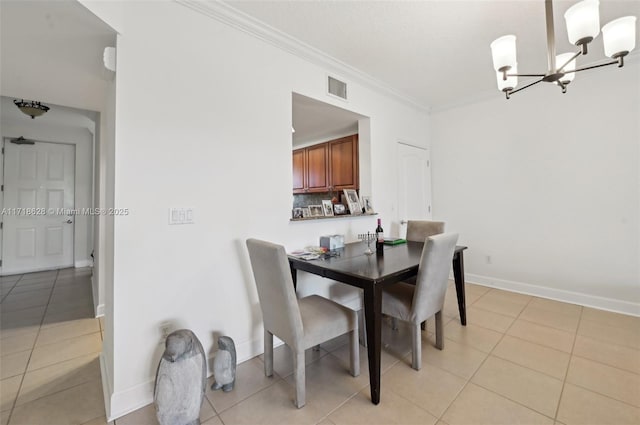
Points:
(583, 21)
(619, 36)
(503, 50)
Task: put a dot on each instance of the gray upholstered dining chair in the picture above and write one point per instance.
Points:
(416, 303)
(419, 230)
(300, 323)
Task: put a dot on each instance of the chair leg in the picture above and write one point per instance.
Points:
(299, 377)
(268, 353)
(416, 346)
(362, 329)
(354, 352)
(439, 331)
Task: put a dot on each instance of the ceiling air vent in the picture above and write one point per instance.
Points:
(337, 88)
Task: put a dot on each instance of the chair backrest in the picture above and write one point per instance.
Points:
(280, 310)
(433, 275)
(419, 230)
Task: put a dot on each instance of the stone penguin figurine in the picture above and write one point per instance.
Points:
(181, 380)
(224, 365)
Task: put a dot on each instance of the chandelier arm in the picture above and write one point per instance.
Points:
(525, 75)
(594, 66)
(560, 69)
(525, 87)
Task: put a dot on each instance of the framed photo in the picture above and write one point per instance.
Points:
(339, 209)
(305, 212)
(367, 204)
(316, 211)
(328, 208)
(296, 213)
(353, 201)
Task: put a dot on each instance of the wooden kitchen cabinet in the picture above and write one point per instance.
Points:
(343, 163)
(327, 166)
(317, 168)
(299, 167)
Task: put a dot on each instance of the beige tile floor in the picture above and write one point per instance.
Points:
(521, 360)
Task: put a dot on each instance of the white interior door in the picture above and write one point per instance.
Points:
(38, 196)
(414, 185)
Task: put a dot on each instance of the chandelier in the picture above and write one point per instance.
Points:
(583, 25)
(32, 108)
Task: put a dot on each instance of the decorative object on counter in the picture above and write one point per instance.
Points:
(353, 201)
(224, 365)
(32, 108)
(296, 213)
(367, 237)
(181, 380)
(316, 211)
(305, 212)
(379, 238)
(332, 242)
(328, 208)
(339, 209)
(367, 204)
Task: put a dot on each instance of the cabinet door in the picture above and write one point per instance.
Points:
(317, 169)
(299, 168)
(343, 163)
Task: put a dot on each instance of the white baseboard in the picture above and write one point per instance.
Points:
(100, 310)
(601, 303)
(83, 263)
(106, 388)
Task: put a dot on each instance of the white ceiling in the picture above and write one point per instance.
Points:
(435, 52)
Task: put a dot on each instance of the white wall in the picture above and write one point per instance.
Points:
(547, 185)
(83, 141)
(214, 134)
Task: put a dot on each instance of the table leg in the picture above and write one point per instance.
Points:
(458, 274)
(373, 318)
(294, 275)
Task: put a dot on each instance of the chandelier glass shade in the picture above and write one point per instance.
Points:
(31, 108)
(583, 26)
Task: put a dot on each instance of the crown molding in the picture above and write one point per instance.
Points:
(237, 19)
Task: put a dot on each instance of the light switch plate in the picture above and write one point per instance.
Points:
(181, 215)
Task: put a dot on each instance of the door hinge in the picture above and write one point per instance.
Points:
(429, 208)
(1, 188)
(0, 263)
(1, 225)
(2, 151)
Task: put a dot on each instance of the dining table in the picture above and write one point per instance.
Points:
(354, 265)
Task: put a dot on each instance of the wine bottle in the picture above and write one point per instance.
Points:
(379, 237)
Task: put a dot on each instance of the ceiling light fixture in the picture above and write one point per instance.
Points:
(32, 108)
(583, 25)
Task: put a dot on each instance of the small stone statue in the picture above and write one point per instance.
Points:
(181, 380)
(224, 365)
